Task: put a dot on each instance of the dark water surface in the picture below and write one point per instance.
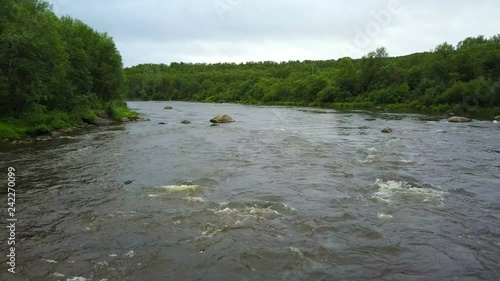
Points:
(281, 194)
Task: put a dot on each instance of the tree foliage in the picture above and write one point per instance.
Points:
(50, 64)
(457, 78)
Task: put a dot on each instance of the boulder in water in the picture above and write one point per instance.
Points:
(168, 107)
(186, 122)
(140, 118)
(223, 118)
(103, 115)
(497, 118)
(99, 122)
(43, 138)
(161, 123)
(459, 119)
(387, 130)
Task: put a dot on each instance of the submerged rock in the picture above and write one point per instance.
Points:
(55, 134)
(161, 123)
(66, 130)
(100, 122)
(102, 115)
(458, 119)
(168, 107)
(223, 118)
(214, 125)
(370, 119)
(186, 122)
(43, 138)
(140, 118)
(387, 130)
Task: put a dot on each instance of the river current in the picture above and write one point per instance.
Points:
(280, 194)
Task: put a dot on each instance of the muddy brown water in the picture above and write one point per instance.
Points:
(281, 194)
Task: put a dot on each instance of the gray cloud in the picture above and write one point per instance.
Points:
(160, 31)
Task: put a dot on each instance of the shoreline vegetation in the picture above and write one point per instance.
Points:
(58, 74)
(462, 80)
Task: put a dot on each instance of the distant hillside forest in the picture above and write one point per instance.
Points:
(54, 72)
(463, 79)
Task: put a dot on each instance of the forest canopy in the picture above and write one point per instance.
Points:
(464, 79)
(54, 72)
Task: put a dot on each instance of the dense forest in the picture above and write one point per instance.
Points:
(464, 79)
(57, 72)
(54, 72)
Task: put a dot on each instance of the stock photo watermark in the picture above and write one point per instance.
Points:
(222, 7)
(57, 4)
(11, 219)
(380, 20)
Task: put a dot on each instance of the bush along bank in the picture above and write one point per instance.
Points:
(463, 79)
(49, 125)
(55, 73)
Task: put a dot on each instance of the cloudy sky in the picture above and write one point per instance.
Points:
(165, 31)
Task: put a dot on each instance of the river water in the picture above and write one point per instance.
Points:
(281, 194)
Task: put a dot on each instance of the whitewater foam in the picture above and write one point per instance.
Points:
(389, 190)
(130, 254)
(181, 188)
(78, 279)
(194, 199)
(384, 216)
(297, 252)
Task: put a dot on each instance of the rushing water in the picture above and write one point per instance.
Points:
(281, 194)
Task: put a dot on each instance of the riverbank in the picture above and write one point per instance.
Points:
(30, 127)
(435, 110)
(283, 179)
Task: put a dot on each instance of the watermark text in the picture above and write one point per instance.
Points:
(11, 219)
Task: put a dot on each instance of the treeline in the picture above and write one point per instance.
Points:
(54, 72)
(463, 78)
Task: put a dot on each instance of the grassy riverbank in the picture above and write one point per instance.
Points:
(463, 79)
(472, 112)
(55, 72)
(34, 124)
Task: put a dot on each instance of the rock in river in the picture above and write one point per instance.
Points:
(497, 118)
(100, 122)
(140, 118)
(458, 119)
(186, 122)
(387, 130)
(168, 107)
(103, 115)
(223, 118)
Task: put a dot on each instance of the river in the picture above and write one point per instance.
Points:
(281, 194)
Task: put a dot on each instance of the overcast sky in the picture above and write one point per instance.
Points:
(165, 31)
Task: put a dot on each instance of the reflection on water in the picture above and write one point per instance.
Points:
(281, 194)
